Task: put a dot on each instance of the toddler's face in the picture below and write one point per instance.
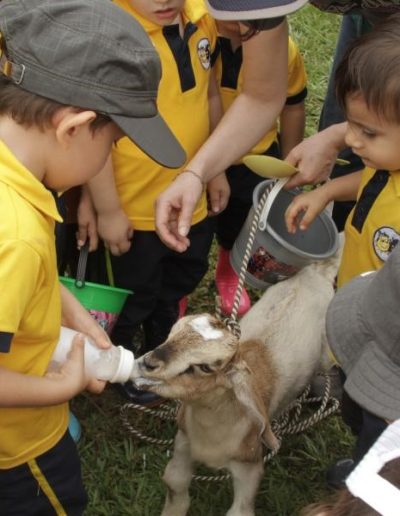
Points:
(161, 12)
(374, 139)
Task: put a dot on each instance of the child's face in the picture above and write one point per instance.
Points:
(84, 157)
(161, 12)
(373, 139)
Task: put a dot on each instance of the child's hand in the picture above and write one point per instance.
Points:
(218, 194)
(304, 208)
(87, 223)
(116, 230)
(71, 378)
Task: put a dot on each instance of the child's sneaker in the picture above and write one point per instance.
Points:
(226, 281)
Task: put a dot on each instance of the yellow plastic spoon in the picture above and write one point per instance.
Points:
(268, 166)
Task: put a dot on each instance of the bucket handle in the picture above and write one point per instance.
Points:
(262, 224)
(81, 269)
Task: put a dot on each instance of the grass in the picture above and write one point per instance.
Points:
(122, 474)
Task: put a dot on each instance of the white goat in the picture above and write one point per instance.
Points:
(230, 390)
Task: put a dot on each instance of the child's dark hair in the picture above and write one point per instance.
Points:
(343, 503)
(30, 110)
(371, 67)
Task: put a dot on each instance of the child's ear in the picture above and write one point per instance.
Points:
(68, 122)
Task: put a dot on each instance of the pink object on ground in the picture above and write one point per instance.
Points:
(183, 303)
(227, 281)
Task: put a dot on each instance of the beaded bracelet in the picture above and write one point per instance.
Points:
(195, 174)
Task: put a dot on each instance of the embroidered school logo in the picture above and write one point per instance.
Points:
(204, 53)
(385, 240)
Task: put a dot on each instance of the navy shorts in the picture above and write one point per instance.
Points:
(50, 484)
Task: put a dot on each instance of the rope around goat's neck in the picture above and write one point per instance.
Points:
(231, 321)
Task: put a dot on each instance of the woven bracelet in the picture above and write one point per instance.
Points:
(195, 174)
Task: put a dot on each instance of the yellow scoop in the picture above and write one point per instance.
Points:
(268, 166)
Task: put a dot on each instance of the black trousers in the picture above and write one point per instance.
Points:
(242, 182)
(367, 427)
(47, 486)
(159, 278)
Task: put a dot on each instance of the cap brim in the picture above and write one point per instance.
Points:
(153, 136)
(242, 10)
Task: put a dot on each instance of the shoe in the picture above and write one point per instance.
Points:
(337, 474)
(226, 281)
(183, 304)
(74, 427)
(318, 384)
(144, 398)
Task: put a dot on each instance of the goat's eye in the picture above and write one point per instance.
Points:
(205, 368)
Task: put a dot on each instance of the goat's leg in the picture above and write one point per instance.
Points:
(177, 477)
(246, 479)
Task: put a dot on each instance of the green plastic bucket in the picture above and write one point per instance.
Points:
(103, 302)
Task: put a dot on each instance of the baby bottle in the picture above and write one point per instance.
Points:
(113, 364)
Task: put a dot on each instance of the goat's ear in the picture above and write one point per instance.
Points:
(243, 386)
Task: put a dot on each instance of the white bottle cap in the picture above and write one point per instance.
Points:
(125, 366)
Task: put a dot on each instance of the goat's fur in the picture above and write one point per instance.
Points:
(230, 390)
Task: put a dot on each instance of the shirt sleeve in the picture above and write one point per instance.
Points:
(20, 267)
(297, 77)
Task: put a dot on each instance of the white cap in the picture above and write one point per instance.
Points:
(125, 366)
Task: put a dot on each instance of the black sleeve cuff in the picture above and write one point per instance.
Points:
(5, 341)
(296, 99)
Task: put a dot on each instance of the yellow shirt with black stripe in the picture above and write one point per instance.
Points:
(30, 306)
(183, 103)
(372, 228)
(229, 73)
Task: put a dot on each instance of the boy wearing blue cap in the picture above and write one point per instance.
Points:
(62, 106)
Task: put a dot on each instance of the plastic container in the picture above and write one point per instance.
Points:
(114, 364)
(103, 302)
(277, 254)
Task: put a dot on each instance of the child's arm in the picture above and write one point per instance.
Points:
(113, 225)
(87, 223)
(76, 317)
(343, 188)
(292, 123)
(22, 390)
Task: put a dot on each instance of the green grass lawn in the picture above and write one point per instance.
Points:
(123, 474)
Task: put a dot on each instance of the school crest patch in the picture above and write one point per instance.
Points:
(204, 53)
(384, 241)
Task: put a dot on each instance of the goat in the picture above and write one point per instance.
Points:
(230, 389)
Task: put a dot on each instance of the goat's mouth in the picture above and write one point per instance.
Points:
(146, 383)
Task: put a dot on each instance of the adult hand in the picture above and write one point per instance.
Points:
(174, 209)
(315, 156)
(116, 230)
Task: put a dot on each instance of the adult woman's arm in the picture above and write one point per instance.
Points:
(254, 111)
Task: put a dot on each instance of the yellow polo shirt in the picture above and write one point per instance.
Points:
(228, 70)
(30, 306)
(372, 228)
(182, 102)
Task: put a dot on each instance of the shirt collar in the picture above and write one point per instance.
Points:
(14, 174)
(192, 11)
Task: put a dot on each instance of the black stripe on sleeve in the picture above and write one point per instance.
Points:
(296, 99)
(5, 341)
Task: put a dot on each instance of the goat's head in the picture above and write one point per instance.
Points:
(191, 362)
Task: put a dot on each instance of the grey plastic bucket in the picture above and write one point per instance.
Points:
(277, 254)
